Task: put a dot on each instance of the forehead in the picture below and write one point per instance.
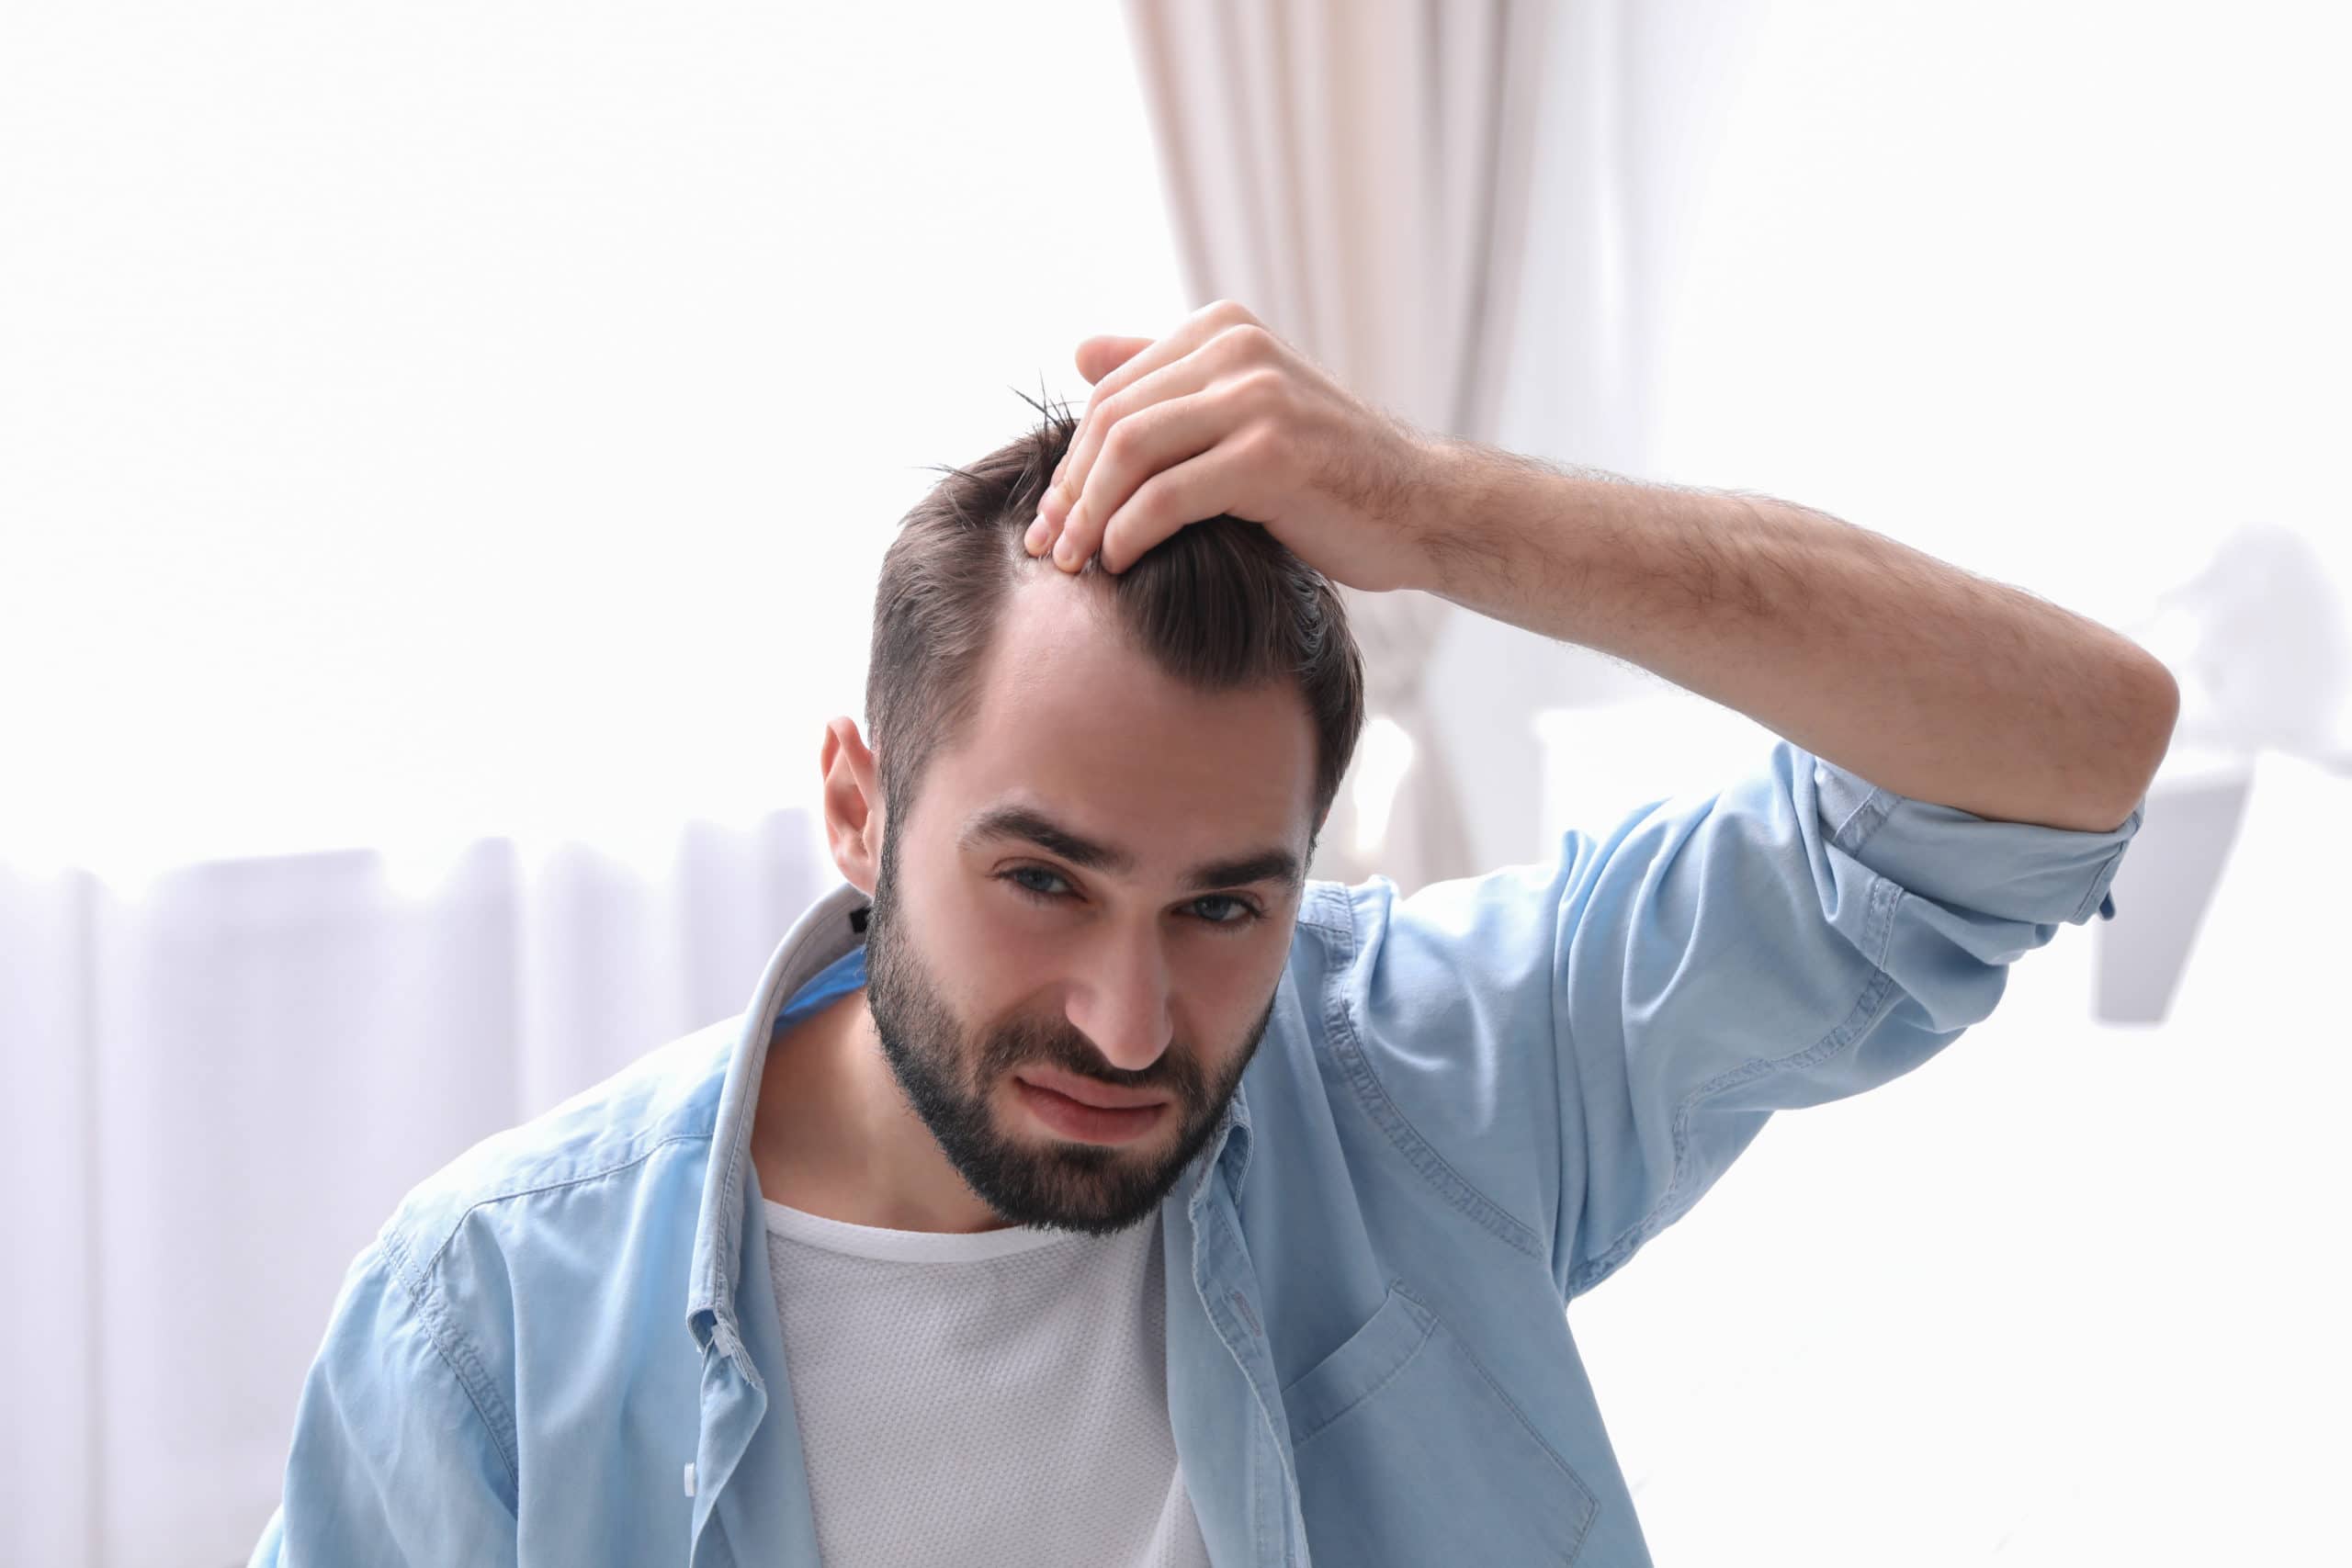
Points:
(1074, 722)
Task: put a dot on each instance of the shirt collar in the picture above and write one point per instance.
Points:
(825, 931)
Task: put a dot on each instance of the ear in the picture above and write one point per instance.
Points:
(852, 797)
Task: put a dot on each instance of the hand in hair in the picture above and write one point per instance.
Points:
(1221, 417)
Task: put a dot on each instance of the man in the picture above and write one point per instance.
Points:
(1083, 1184)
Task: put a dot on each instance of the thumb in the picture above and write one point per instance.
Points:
(1098, 356)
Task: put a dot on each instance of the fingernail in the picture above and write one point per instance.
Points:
(1036, 536)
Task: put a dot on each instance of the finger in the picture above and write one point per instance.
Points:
(1170, 501)
(1183, 379)
(1098, 356)
(1160, 436)
(1193, 330)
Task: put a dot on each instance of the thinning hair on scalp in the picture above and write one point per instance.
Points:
(1219, 604)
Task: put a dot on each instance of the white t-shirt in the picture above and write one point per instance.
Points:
(976, 1400)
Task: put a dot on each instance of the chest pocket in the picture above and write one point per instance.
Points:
(1410, 1454)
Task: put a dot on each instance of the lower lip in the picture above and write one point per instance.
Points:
(1088, 1124)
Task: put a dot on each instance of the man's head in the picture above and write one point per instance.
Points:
(1085, 820)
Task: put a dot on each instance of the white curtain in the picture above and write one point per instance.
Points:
(245, 1064)
(1356, 172)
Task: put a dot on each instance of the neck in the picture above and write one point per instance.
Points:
(806, 1133)
(834, 1136)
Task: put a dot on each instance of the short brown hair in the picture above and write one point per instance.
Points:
(1218, 605)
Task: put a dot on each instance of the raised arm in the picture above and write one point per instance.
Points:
(1936, 685)
(1932, 682)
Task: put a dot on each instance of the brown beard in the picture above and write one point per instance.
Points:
(1091, 1188)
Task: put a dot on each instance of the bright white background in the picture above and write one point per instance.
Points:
(475, 418)
(2052, 289)
(430, 428)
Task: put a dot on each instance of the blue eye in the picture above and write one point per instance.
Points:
(1238, 913)
(1245, 913)
(1039, 894)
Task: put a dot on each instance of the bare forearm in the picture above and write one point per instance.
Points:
(1923, 679)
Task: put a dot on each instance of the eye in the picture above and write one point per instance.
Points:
(1226, 909)
(1040, 895)
(1245, 913)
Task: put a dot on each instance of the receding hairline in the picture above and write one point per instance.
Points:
(1219, 605)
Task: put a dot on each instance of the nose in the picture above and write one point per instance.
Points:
(1120, 1000)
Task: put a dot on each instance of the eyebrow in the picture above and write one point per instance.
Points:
(1034, 827)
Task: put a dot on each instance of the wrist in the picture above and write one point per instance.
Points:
(1474, 508)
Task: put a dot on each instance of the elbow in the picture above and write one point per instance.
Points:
(2151, 711)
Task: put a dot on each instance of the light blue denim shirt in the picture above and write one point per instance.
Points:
(1471, 1105)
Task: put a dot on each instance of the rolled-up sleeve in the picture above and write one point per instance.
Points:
(1627, 1016)
(393, 1464)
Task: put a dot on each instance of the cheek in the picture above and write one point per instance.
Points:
(990, 919)
(991, 949)
(1254, 984)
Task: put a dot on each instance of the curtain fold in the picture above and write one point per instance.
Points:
(1358, 175)
(216, 1085)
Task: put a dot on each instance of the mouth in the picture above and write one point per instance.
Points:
(1081, 1123)
(1093, 1095)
